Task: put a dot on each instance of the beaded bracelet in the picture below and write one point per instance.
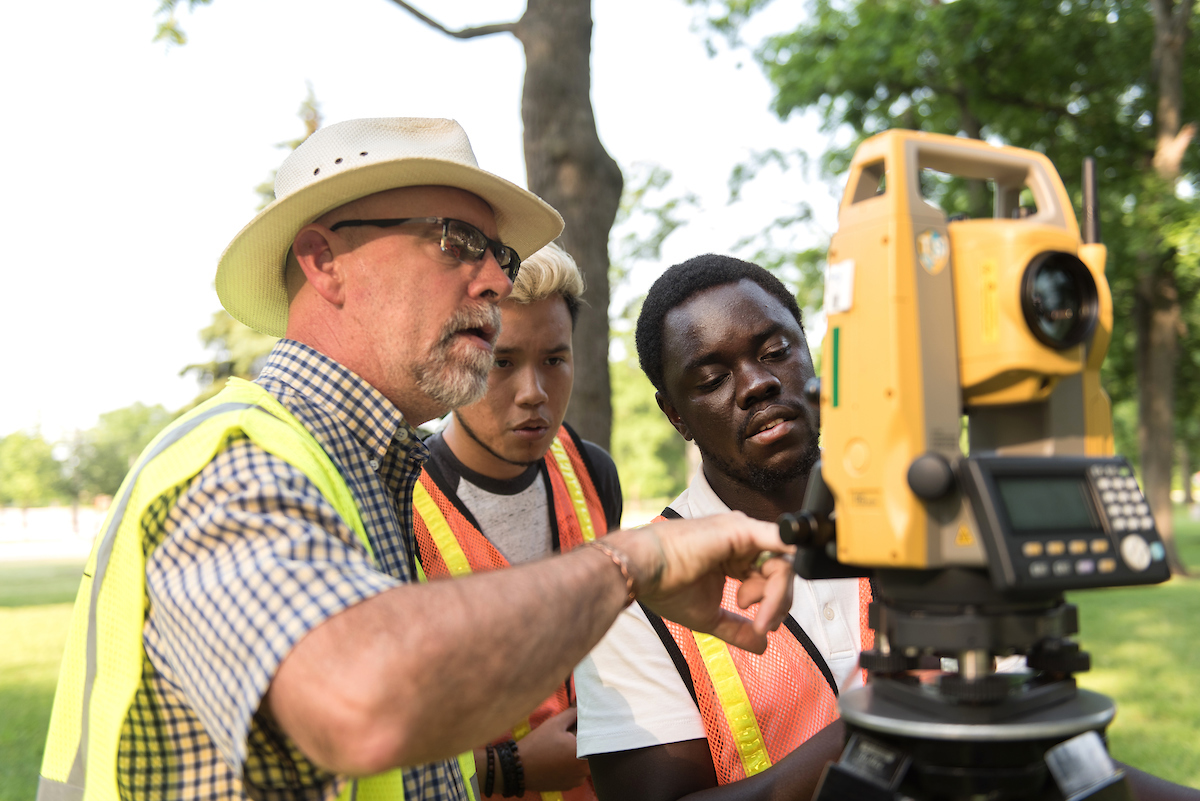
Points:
(519, 784)
(622, 562)
(508, 767)
(489, 783)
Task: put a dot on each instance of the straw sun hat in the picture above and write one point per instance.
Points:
(350, 160)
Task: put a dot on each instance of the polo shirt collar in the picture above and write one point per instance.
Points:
(370, 418)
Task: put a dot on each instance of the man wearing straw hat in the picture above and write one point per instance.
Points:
(251, 622)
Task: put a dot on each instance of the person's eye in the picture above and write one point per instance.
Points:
(555, 361)
(462, 243)
(776, 354)
(711, 383)
(501, 363)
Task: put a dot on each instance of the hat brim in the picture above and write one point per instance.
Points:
(250, 275)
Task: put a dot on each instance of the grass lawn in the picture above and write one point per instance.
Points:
(1143, 641)
(33, 639)
(35, 611)
(1146, 655)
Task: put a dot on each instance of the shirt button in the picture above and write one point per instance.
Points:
(829, 613)
(374, 464)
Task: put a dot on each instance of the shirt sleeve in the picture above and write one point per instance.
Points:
(630, 694)
(252, 558)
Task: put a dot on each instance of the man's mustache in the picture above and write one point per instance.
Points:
(486, 317)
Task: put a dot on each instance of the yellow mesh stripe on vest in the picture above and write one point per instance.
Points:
(734, 703)
(575, 489)
(443, 536)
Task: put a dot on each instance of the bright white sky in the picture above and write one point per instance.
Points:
(128, 167)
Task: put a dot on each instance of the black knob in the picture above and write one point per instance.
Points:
(989, 689)
(878, 662)
(812, 390)
(930, 476)
(798, 529)
(1058, 656)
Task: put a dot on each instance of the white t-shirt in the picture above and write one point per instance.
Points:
(630, 694)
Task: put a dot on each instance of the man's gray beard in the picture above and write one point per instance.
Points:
(458, 379)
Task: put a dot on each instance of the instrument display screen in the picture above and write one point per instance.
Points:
(1047, 503)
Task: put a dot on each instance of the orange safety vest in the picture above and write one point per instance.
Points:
(450, 545)
(757, 709)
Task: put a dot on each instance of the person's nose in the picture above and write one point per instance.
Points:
(530, 388)
(489, 280)
(755, 384)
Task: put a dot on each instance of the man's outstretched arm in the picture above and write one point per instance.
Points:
(421, 672)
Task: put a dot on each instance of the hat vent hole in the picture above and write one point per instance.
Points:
(317, 171)
(337, 161)
(363, 153)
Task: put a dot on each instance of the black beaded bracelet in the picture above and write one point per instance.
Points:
(489, 782)
(520, 770)
(508, 767)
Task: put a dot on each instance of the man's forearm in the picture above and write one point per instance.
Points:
(421, 672)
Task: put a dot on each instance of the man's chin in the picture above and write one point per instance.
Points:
(770, 474)
(455, 387)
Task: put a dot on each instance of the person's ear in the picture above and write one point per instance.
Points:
(673, 415)
(314, 252)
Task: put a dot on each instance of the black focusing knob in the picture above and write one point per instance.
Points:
(930, 476)
(1058, 656)
(878, 662)
(989, 689)
(812, 390)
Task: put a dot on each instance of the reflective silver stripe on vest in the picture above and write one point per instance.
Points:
(49, 790)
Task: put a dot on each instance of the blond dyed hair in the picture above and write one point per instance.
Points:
(550, 271)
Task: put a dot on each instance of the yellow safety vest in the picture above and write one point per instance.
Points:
(102, 665)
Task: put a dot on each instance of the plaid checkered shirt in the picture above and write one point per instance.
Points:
(242, 563)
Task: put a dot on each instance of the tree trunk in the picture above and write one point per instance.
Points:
(569, 167)
(1185, 475)
(1158, 319)
(1159, 316)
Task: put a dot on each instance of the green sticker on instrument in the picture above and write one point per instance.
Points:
(836, 348)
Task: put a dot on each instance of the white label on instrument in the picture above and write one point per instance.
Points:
(839, 287)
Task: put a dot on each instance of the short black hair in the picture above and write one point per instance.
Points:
(679, 283)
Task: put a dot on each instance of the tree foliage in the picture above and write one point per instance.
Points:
(237, 350)
(650, 455)
(103, 455)
(29, 473)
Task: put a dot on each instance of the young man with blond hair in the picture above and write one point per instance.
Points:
(509, 482)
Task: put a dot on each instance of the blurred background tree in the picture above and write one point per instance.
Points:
(29, 473)
(237, 349)
(101, 456)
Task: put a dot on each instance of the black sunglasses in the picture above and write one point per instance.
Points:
(461, 240)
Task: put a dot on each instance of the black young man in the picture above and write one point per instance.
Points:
(722, 342)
